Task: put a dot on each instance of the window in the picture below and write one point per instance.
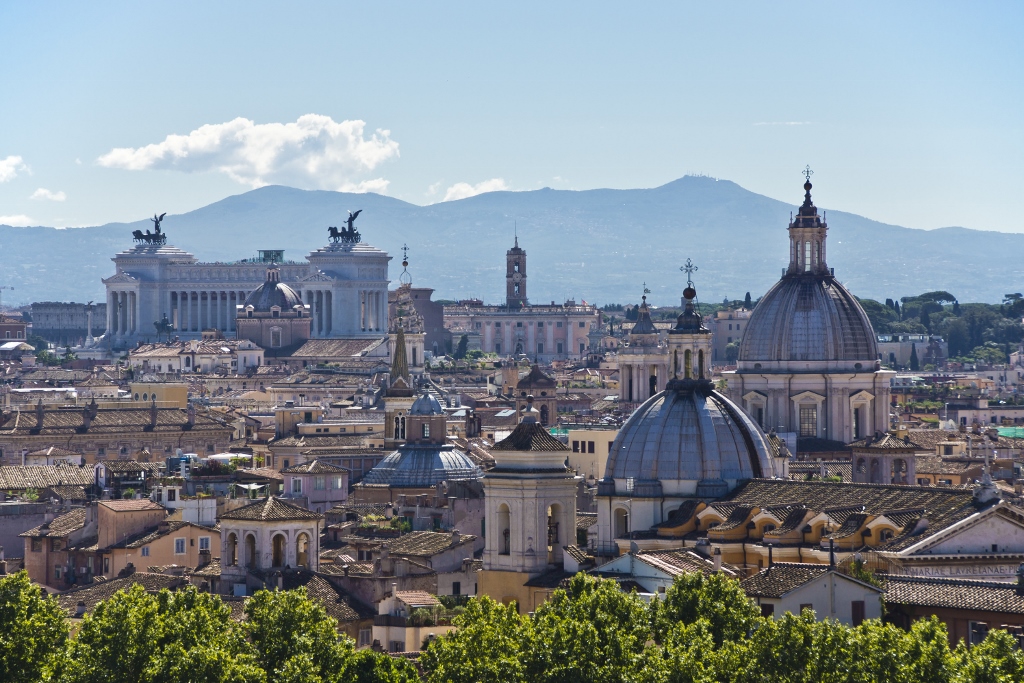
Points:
(559, 347)
(979, 630)
(520, 323)
(540, 324)
(172, 495)
(56, 569)
(320, 483)
(456, 588)
(426, 430)
(365, 637)
(497, 325)
(106, 565)
(204, 542)
(101, 452)
(806, 605)
(808, 420)
(497, 348)
(590, 447)
(145, 551)
(729, 341)
(575, 446)
(296, 485)
(477, 325)
(558, 324)
(55, 545)
(807, 256)
(767, 610)
(339, 483)
(396, 646)
(857, 612)
(275, 337)
(583, 324)
(179, 546)
(37, 545)
(540, 347)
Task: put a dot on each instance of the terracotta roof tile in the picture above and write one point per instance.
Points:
(42, 476)
(96, 593)
(130, 505)
(271, 509)
(530, 436)
(60, 526)
(676, 562)
(417, 598)
(425, 543)
(782, 578)
(989, 596)
(315, 467)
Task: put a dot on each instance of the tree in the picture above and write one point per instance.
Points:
(719, 600)
(915, 365)
(747, 303)
(957, 337)
(732, 352)
(460, 352)
(32, 628)
(896, 307)
(590, 632)
(292, 638)
(368, 666)
(487, 647)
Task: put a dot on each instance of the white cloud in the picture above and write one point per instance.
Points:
(10, 167)
(314, 152)
(433, 188)
(19, 221)
(463, 190)
(43, 193)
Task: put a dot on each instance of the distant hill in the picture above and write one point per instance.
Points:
(598, 245)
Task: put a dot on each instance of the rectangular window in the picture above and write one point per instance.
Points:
(55, 544)
(807, 605)
(590, 447)
(426, 430)
(179, 546)
(296, 485)
(559, 347)
(519, 324)
(808, 420)
(540, 324)
(979, 630)
(37, 545)
(575, 446)
(145, 551)
(767, 610)
(56, 570)
(583, 324)
(172, 495)
(857, 612)
(558, 324)
(498, 325)
(456, 588)
(540, 347)
(106, 565)
(497, 348)
(339, 483)
(583, 348)
(478, 326)
(365, 637)
(204, 542)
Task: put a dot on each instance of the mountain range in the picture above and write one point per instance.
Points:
(598, 245)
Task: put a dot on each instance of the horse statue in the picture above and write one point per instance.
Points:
(137, 236)
(334, 234)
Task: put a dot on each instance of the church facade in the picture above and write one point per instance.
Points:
(542, 332)
(344, 283)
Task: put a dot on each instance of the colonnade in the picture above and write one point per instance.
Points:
(122, 313)
(321, 310)
(194, 311)
(373, 310)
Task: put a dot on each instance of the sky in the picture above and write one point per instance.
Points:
(909, 113)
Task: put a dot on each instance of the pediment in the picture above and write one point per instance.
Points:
(807, 397)
(1001, 526)
(121, 278)
(862, 395)
(755, 396)
(318, 276)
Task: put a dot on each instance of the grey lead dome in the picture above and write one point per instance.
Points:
(689, 432)
(808, 318)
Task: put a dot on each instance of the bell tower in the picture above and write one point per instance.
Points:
(515, 277)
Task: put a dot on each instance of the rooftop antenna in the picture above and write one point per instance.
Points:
(515, 229)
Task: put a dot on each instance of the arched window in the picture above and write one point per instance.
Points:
(544, 415)
(232, 554)
(621, 523)
(277, 557)
(275, 337)
(807, 256)
(555, 540)
(504, 530)
(687, 363)
(700, 363)
(302, 551)
(250, 551)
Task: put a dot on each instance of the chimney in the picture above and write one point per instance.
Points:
(280, 581)
(1020, 580)
(832, 553)
(153, 413)
(771, 558)
(456, 537)
(204, 559)
(80, 609)
(39, 414)
(191, 419)
(717, 557)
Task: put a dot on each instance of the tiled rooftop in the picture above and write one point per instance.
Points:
(530, 436)
(425, 543)
(60, 526)
(42, 476)
(271, 509)
(782, 578)
(989, 596)
(315, 467)
(96, 593)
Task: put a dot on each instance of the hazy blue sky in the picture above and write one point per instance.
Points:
(910, 113)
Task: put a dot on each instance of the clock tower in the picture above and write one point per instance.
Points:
(515, 277)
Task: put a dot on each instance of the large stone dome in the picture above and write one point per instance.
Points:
(272, 293)
(687, 440)
(809, 318)
(423, 466)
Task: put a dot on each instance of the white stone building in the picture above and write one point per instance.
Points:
(345, 285)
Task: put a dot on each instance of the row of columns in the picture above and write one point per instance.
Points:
(321, 309)
(122, 313)
(373, 310)
(194, 311)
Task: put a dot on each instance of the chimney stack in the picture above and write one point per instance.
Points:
(717, 558)
(832, 553)
(771, 559)
(456, 537)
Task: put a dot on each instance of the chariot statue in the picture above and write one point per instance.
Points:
(347, 235)
(155, 237)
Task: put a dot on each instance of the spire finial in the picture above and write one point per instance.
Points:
(808, 172)
(689, 268)
(646, 292)
(515, 228)
(405, 278)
